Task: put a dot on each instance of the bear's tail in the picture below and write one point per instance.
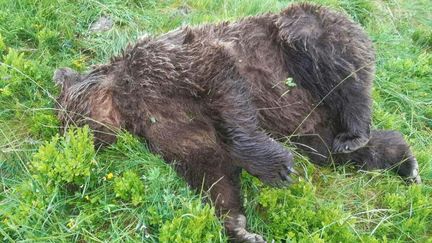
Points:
(323, 48)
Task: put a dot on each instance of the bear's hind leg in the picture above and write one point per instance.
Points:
(354, 119)
(331, 57)
(386, 150)
(197, 155)
(213, 171)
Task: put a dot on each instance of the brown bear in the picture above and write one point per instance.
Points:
(215, 98)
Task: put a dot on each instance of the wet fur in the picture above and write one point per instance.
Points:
(213, 98)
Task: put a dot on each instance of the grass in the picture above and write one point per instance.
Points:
(55, 188)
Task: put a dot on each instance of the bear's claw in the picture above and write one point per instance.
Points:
(240, 234)
(414, 176)
(346, 143)
(280, 175)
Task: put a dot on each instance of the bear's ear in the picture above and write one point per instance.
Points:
(66, 77)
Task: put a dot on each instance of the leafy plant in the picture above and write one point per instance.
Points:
(296, 213)
(129, 187)
(192, 224)
(289, 82)
(65, 160)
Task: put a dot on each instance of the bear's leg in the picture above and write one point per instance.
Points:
(206, 166)
(226, 194)
(235, 225)
(212, 170)
(355, 113)
(236, 122)
(332, 57)
(386, 150)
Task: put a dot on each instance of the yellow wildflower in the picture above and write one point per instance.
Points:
(110, 176)
(71, 224)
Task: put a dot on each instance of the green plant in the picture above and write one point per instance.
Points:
(296, 214)
(192, 224)
(289, 82)
(129, 187)
(2, 45)
(65, 160)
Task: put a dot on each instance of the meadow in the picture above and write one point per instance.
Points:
(58, 188)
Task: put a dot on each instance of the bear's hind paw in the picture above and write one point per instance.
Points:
(346, 143)
(413, 174)
(239, 232)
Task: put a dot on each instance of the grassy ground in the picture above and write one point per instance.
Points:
(59, 189)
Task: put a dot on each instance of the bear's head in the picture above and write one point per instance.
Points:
(87, 99)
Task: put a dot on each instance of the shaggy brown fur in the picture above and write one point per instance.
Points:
(214, 98)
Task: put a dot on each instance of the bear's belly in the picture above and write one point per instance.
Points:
(290, 113)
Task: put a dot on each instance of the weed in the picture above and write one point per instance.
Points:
(129, 187)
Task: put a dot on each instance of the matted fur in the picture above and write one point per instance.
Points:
(214, 98)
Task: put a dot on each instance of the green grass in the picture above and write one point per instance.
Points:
(58, 189)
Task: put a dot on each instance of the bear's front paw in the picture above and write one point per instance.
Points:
(347, 143)
(278, 173)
